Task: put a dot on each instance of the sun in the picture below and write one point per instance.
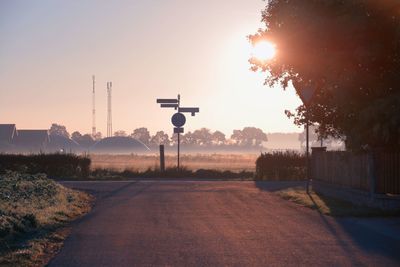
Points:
(264, 50)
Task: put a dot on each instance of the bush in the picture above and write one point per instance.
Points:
(281, 166)
(53, 165)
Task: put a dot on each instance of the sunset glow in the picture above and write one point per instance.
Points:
(264, 50)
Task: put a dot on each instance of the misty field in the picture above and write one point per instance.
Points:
(222, 162)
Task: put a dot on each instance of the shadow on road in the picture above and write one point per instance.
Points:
(272, 186)
(367, 239)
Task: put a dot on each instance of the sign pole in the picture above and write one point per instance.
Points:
(308, 157)
(178, 148)
(179, 135)
(306, 94)
(178, 119)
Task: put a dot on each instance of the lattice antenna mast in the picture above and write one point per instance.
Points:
(109, 109)
(94, 107)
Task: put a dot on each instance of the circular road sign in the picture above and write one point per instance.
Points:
(178, 119)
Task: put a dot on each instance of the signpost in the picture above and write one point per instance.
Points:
(178, 119)
(306, 95)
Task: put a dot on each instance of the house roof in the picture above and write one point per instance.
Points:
(32, 138)
(7, 132)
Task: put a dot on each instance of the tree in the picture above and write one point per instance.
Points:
(237, 137)
(174, 139)
(218, 138)
(202, 137)
(160, 138)
(57, 129)
(85, 140)
(120, 133)
(76, 136)
(349, 52)
(141, 134)
(188, 139)
(249, 136)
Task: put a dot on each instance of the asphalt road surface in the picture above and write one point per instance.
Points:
(215, 223)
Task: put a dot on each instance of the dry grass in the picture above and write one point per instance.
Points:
(330, 206)
(33, 212)
(221, 162)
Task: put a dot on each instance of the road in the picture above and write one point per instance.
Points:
(215, 223)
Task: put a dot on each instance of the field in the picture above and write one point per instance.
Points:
(221, 162)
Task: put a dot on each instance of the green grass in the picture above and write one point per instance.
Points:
(331, 206)
(33, 212)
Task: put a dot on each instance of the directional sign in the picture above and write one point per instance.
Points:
(167, 101)
(175, 106)
(189, 110)
(178, 120)
(307, 93)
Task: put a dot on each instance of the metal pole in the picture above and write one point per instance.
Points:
(162, 159)
(179, 104)
(307, 157)
(178, 148)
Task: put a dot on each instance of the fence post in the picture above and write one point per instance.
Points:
(162, 158)
(371, 175)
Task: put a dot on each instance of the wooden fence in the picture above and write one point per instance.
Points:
(387, 167)
(375, 172)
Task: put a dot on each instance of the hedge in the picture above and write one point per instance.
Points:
(281, 166)
(55, 166)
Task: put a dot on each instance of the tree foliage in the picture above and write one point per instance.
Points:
(218, 138)
(160, 138)
(142, 134)
(58, 129)
(85, 140)
(120, 133)
(249, 136)
(349, 51)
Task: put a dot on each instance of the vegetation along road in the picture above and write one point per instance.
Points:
(215, 223)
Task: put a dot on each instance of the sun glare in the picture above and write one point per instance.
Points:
(264, 50)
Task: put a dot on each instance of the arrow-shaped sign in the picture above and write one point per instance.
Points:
(306, 94)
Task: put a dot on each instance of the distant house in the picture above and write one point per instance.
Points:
(8, 133)
(32, 141)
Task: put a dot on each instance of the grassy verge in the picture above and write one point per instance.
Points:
(33, 213)
(331, 206)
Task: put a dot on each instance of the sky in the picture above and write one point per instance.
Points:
(49, 50)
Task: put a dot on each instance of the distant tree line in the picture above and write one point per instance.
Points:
(248, 137)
